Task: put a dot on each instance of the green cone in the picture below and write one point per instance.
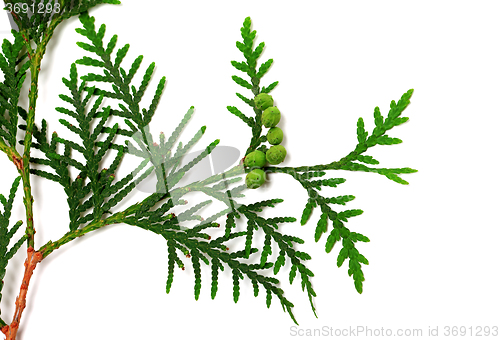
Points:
(271, 117)
(263, 101)
(255, 159)
(276, 154)
(255, 178)
(275, 136)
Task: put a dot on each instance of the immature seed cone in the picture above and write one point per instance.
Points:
(271, 117)
(255, 178)
(275, 135)
(276, 154)
(255, 159)
(263, 101)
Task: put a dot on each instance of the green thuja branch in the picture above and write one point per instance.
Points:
(307, 175)
(217, 251)
(26, 53)
(160, 154)
(96, 197)
(9, 93)
(249, 66)
(35, 32)
(284, 242)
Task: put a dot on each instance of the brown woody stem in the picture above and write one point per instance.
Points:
(30, 264)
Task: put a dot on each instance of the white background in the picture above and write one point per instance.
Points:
(434, 243)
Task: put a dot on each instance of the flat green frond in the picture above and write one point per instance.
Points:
(124, 192)
(99, 128)
(355, 260)
(196, 160)
(67, 160)
(90, 62)
(362, 133)
(215, 277)
(172, 256)
(156, 99)
(234, 110)
(245, 99)
(397, 109)
(395, 178)
(176, 133)
(197, 274)
(236, 285)
(379, 120)
(120, 55)
(264, 67)
(14, 228)
(386, 140)
(12, 195)
(13, 250)
(332, 239)
(344, 215)
(46, 175)
(342, 200)
(321, 227)
(306, 213)
(293, 273)
(71, 144)
(240, 66)
(331, 182)
(242, 82)
(258, 51)
(106, 145)
(185, 215)
(367, 159)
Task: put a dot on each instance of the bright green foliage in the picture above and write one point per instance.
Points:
(249, 66)
(305, 175)
(6, 234)
(97, 190)
(10, 88)
(284, 242)
(339, 231)
(95, 195)
(379, 137)
(92, 180)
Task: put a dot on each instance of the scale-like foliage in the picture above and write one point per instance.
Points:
(10, 88)
(98, 183)
(92, 180)
(306, 175)
(379, 137)
(95, 191)
(249, 66)
(350, 162)
(194, 242)
(200, 247)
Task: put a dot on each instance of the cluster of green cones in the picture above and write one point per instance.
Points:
(276, 154)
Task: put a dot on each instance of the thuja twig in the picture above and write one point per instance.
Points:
(258, 155)
(95, 191)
